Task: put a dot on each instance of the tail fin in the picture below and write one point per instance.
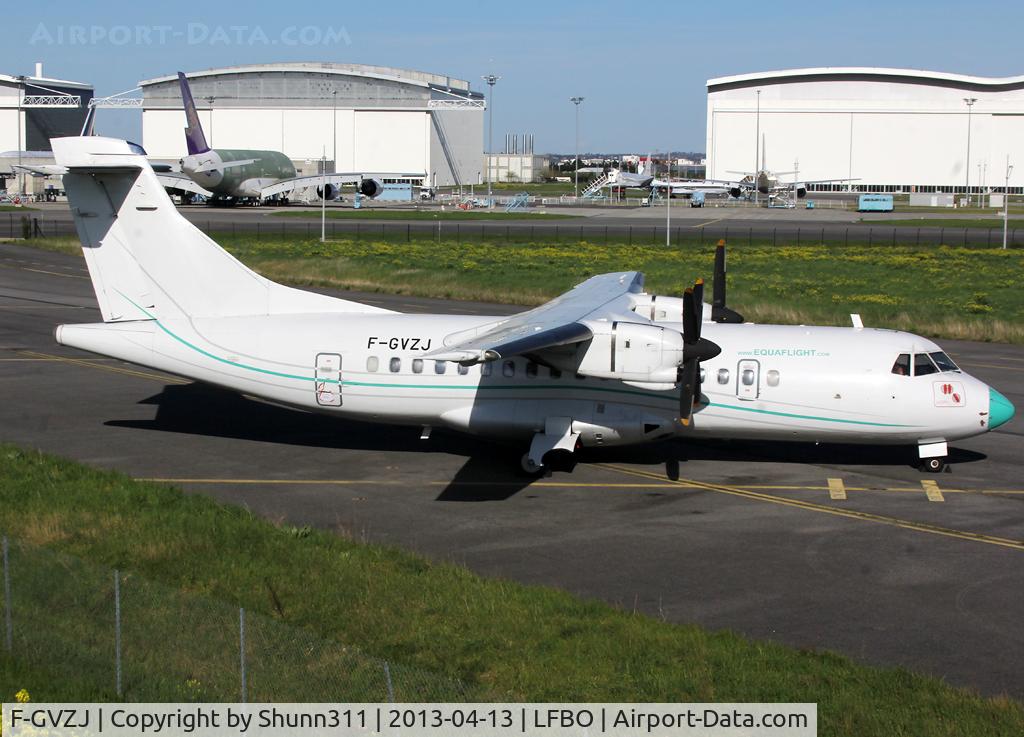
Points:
(145, 260)
(194, 137)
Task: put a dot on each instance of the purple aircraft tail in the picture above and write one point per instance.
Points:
(194, 138)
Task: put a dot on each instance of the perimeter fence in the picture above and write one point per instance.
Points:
(259, 228)
(133, 639)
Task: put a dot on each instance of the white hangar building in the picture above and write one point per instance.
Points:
(895, 130)
(365, 118)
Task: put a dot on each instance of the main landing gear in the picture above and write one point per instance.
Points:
(933, 456)
(558, 435)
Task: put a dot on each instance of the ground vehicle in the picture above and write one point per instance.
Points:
(697, 199)
(874, 203)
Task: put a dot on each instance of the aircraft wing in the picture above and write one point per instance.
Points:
(42, 170)
(315, 180)
(562, 321)
(173, 180)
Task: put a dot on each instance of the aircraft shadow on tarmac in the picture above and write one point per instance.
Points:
(490, 471)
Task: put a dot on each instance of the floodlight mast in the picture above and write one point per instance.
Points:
(491, 80)
(967, 167)
(576, 164)
(1006, 199)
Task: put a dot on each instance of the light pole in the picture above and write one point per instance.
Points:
(210, 100)
(668, 202)
(967, 184)
(491, 80)
(757, 146)
(1006, 199)
(576, 101)
(21, 174)
(334, 127)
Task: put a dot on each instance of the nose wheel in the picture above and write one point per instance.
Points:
(934, 465)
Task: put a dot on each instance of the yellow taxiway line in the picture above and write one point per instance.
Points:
(836, 489)
(932, 491)
(840, 512)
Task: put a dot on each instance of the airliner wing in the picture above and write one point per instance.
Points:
(560, 322)
(41, 170)
(337, 178)
(172, 180)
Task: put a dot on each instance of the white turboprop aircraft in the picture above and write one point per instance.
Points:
(604, 364)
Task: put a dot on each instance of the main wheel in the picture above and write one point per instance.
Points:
(934, 465)
(529, 466)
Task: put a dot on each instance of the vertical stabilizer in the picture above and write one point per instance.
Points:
(147, 261)
(195, 139)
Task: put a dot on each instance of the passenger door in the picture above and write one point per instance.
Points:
(327, 382)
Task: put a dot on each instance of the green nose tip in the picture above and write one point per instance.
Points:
(1000, 409)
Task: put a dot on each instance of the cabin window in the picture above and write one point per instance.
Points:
(723, 376)
(902, 365)
(440, 367)
(944, 362)
(508, 369)
(531, 369)
(485, 369)
(463, 370)
(923, 365)
(417, 365)
(772, 378)
(395, 365)
(747, 377)
(372, 363)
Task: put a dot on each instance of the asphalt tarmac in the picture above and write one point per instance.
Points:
(744, 536)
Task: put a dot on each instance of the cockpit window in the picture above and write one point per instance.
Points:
(902, 365)
(923, 365)
(944, 362)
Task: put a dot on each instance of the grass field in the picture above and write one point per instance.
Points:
(390, 213)
(1016, 221)
(504, 640)
(970, 293)
(15, 208)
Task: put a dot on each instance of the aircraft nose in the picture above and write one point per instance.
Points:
(1000, 409)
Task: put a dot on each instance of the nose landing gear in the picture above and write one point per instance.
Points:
(933, 456)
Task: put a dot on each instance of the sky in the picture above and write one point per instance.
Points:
(640, 66)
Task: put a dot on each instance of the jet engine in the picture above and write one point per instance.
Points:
(801, 190)
(370, 187)
(735, 192)
(327, 192)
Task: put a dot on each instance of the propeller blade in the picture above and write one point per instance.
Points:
(691, 321)
(718, 286)
(719, 312)
(689, 379)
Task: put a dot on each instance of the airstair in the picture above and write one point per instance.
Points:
(593, 189)
(519, 202)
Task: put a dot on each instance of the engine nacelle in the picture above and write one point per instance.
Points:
(801, 190)
(632, 352)
(370, 187)
(327, 192)
(735, 192)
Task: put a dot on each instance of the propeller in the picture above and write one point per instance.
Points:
(719, 312)
(695, 350)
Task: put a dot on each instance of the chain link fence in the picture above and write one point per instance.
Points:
(138, 640)
(28, 226)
